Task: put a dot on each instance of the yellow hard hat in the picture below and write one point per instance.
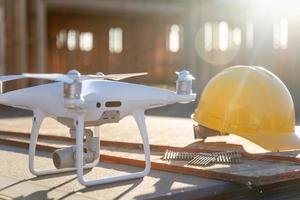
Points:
(250, 102)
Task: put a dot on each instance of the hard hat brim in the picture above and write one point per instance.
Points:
(281, 142)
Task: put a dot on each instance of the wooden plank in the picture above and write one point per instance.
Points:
(288, 156)
(249, 172)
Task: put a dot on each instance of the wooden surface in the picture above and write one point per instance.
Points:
(120, 144)
(156, 184)
(254, 169)
(166, 131)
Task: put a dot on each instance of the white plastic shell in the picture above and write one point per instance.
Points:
(184, 83)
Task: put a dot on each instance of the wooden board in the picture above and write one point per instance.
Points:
(253, 169)
(249, 172)
(289, 156)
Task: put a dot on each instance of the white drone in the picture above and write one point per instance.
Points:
(80, 101)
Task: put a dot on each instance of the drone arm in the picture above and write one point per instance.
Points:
(140, 120)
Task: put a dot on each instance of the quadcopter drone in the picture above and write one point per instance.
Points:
(81, 101)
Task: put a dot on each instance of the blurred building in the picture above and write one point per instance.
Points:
(157, 36)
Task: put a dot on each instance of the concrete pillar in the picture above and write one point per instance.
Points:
(189, 56)
(16, 39)
(37, 34)
(2, 38)
(195, 18)
(16, 36)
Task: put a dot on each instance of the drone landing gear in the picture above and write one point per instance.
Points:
(36, 124)
(79, 123)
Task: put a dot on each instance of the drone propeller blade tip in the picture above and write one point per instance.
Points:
(123, 76)
(51, 77)
(4, 78)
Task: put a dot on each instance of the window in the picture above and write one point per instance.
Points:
(280, 34)
(61, 39)
(220, 36)
(174, 38)
(86, 41)
(223, 36)
(115, 40)
(208, 36)
(72, 40)
(236, 37)
(249, 35)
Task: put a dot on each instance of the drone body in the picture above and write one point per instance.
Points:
(88, 101)
(98, 96)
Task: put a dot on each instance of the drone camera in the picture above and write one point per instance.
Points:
(65, 157)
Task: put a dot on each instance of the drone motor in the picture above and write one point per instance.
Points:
(184, 82)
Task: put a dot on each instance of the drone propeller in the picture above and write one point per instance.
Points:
(70, 77)
(10, 77)
(52, 77)
(115, 77)
(75, 75)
